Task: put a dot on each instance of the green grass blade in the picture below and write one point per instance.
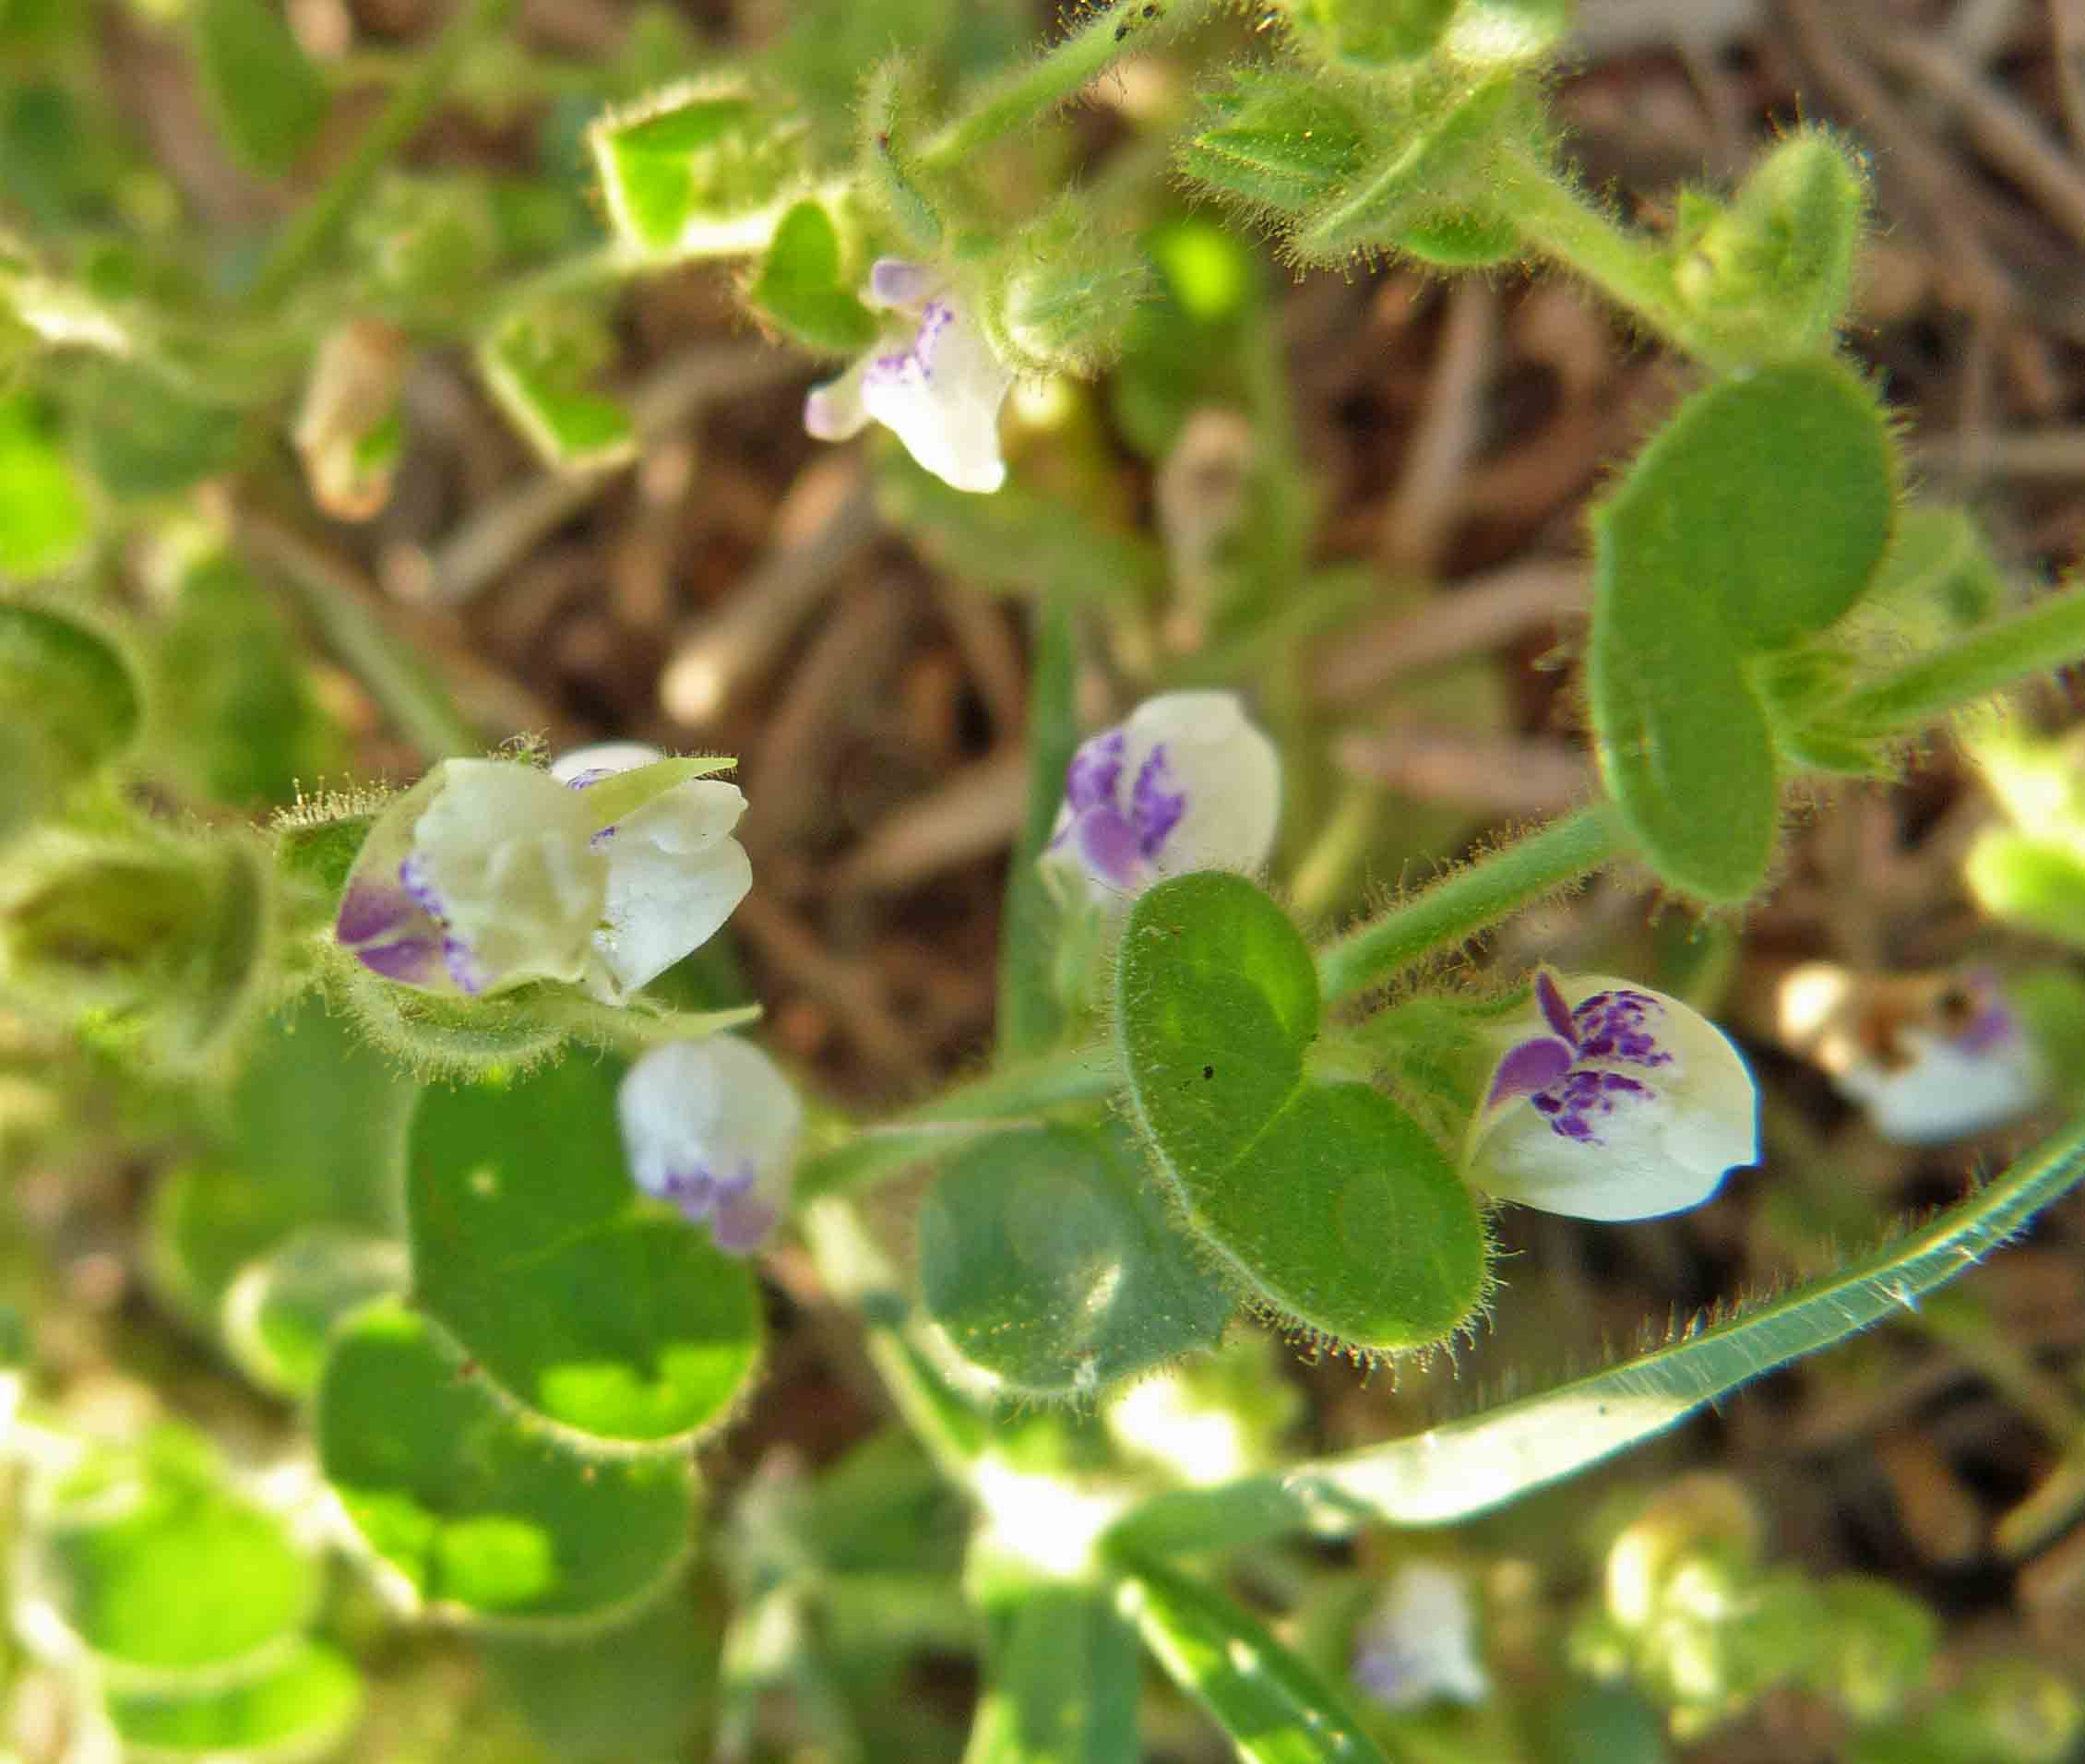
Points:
(1486, 1459)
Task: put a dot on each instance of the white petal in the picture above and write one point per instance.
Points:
(675, 875)
(834, 411)
(504, 850)
(1657, 1155)
(1224, 767)
(1421, 1642)
(720, 1108)
(1944, 1092)
(896, 284)
(940, 395)
(603, 757)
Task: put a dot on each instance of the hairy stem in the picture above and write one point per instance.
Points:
(1471, 900)
(2050, 635)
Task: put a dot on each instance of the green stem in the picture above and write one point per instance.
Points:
(1029, 1015)
(1558, 218)
(2050, 635)
(1012, 1094)
(1470, 901)
(1052, 80)
(311, 230)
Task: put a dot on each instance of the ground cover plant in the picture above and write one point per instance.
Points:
(901, 881)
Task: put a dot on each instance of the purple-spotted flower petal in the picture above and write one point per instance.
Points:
(1186, 783)
(931, 378)
(713, 1128)
(1613, 1101)
(1420, 1642)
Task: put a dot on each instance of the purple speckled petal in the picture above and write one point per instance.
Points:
(592, 776)
(410, 959)
(740, 1220)
(1108, 845)
(369, 910)
(1583, 1097)
(413, 877)
(1094, 772)
(1555, 1011)
(1153, 809)
(1620, 1026)
(1534, 1065)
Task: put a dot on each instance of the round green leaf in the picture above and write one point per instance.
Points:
(1048, 1258)
(1327, 1202)
(1684, 744)
(485, 1513)
(1769, 497)
(281, 1309)
(301, 1709)
(631, 1691)
(161, 1571)
(588, 1304)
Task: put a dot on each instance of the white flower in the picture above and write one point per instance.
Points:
(1930, 1057)
(1186, 783)
(714, 1126)
(490, 873)
(1619, 1104)
(1421, 1641)
(931, 378)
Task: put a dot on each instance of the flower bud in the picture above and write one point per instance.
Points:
(1421, 1641)
(714, 1126)
(1185, 783)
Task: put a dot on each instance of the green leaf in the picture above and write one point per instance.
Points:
(693, 169)
(633, 1690)
(313, 1135)
(1064, 1688)
(485, 1514)
(1049, 1260)
(1684, 745)
(142, 438)
(1776, 268)
(1769, 496)
(167, 1575)
(1938, 577)
(280, 1311)
(1327, 1202)
(801, 286)
(44, 512)
(69, 705)
(303, 1708)
(595, 1308)
(1274, 1707)
(269, 100)
(1486, 1459)
(537, 366)
(1277, 144)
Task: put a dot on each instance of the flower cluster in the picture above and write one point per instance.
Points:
(1185, 783)
(1613, 1101)
(490, 873)
(932, 378)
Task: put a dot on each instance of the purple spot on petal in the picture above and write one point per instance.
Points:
(1531, 1067)
(1108, 845)
(740, 1221)
(369, 910)
(590, 777)
(413, 877)
(1094, 772)
(1555, 1011)
(410, 959)
(1154, 810)
(895, 282)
